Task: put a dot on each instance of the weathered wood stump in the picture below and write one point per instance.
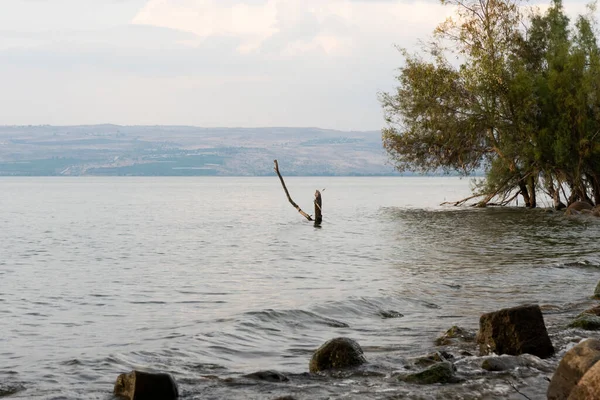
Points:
(514, 331)
(138, 385)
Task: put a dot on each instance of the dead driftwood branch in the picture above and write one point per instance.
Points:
(318, 204)
(305, 215)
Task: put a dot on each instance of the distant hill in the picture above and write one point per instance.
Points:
(187, 151)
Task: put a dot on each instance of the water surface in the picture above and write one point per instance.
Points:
(213, 278)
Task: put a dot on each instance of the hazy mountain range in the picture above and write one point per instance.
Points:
(187, 151)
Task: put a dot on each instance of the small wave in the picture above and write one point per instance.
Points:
(295, 318)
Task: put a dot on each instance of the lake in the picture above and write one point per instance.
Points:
(212, 278)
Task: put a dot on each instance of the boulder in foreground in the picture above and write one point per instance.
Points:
(138, 385)
(337, 353)
(514, 331)
(588, 387)
(573, 366)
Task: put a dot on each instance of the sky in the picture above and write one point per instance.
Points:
(210, 63)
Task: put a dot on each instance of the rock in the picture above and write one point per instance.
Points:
(588, 387)
(432, 358)
(502, 363)
(146, 386)
(268, 376)
(573, 366)
(438, 373)
(337, 353)
(514, 331)
(597, 291)
(456, 333)
(588, 322)
(592, 311)
(429, 359)
(386, 314)
(8, 390)
(580, 205)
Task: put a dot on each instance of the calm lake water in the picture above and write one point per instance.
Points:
(213, 278)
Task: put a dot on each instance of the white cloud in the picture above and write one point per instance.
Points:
(207, 18)
(327, 26)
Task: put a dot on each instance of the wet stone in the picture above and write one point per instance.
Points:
(588, 387)
(588, 322)
(267, 376)
(9, 390)
(597, 291)
(432, 358)
(454, 334)
(502, 363)
(337, 353)
(438, 373)
(573, 366)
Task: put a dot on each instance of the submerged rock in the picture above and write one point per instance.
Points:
(337, 353)
(588, 322)
(592, 311)
(138, 385)
(597, 291)
(442, 372)
(588, 387)
(502, 363)
(580, 205)
(268, 376)
(514, 331)
(8, 390)
(432, 358)
(454, 334)
(573, 366)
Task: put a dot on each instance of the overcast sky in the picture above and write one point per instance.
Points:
(205, 62)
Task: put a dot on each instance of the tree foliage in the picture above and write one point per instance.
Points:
(515, 95)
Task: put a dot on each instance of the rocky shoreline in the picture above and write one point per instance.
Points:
(507, 340)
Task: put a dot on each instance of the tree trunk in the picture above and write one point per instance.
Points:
(318, 204)
(524, 193)
(554, 193)
(296, 206)
(594, 181)
(532, 200)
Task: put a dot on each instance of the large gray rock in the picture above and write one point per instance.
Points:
(514, 331)
(588, 387)
(337, 353)
(573, 366)
(138, 385)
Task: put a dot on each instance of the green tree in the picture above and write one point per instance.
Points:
(522, 102)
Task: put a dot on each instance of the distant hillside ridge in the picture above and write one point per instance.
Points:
(113, 150)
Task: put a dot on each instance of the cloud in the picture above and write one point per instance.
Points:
(293, 27)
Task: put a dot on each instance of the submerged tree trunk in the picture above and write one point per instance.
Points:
(296, 206)
(318, 205)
